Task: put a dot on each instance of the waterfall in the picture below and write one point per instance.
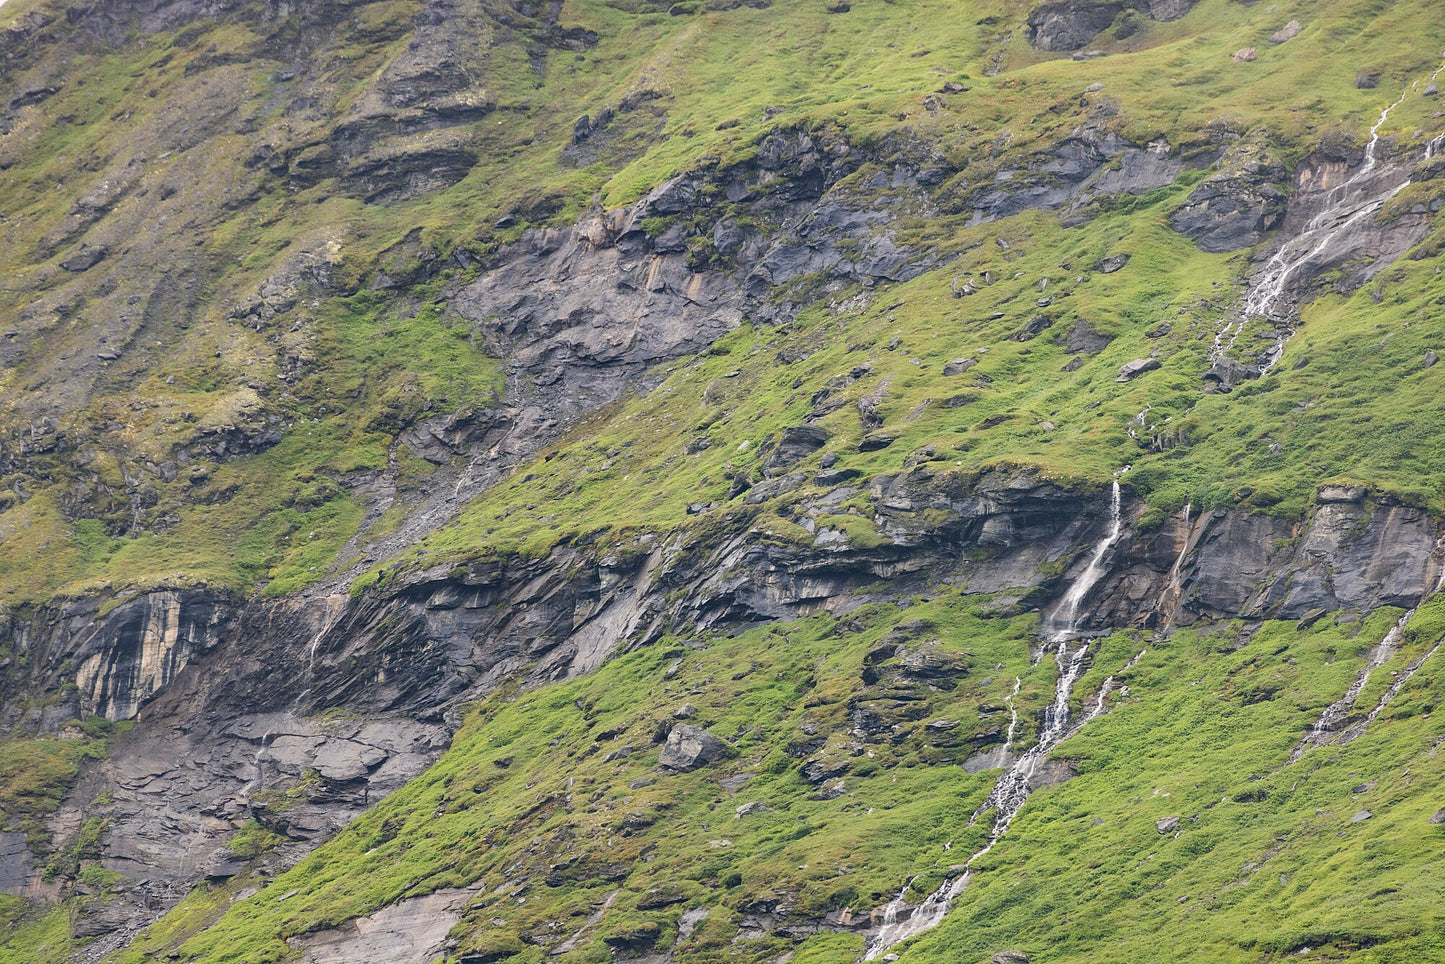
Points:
(1013, 788)
(1363, 194)
(1174, 587)
(1092, 573)
(335, 605)
(1006, 799)
(1328, 726)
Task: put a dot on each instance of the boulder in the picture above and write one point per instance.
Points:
(691, 747)
(1438, 817)
(1035, 326)
(798, 442)
(1167, 824)
(1071, 24)
(958, 366)
(1113, 263)
(1009, 957)
(1131, 370)
(1083, 338)
(1288, 32)
(85, 258)
(1244, 55)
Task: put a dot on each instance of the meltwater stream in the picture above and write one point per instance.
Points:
(1363, 194)
(1013, 788)
(1329, 727)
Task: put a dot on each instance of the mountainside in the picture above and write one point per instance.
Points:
(794, 480)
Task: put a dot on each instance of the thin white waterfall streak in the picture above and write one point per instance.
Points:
(1355, 732)
(1362, 195)
(1013, 788)
(1174, 585)
(1092, 573)
(1013, 713)
(1330, 725)
(335, 605)
(1005, 800)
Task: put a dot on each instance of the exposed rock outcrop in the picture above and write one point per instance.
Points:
(1236, 206)
(691, 747)
(1071, 24)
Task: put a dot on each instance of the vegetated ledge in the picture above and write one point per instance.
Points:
(236, 689)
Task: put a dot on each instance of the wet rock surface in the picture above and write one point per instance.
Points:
(398, 661)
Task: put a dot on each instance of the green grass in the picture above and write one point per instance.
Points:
(371, 362)
(526, 807)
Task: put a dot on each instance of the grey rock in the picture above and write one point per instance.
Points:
(749, 809)
(1286, 33)
(15, 861)
(1438, 817)
(690, 747)
(958, 366)
(1113, 263)
(1009, 957)
(1069, 25)
(797, 443)
(1135, 368)
(874, 441)
(1227, 373)
(413, 929)
(1235, 207)
(1244, 55)
(1167, 825)
(1034, 327)
(1082, 338)
(1338, 494)
(1361, 816)
(1431, 359)
(85, 258)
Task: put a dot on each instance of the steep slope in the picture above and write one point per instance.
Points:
(830, 440)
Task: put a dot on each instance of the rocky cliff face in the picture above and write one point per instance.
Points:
(385, 361)
(226, 695)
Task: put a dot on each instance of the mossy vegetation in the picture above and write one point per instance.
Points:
(346, 364)
(229, 428)
(537, 811)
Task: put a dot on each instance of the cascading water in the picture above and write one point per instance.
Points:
(1013, 788)
(1174, 587)
(1091, 574)
(1328, 727)
(1363, 194)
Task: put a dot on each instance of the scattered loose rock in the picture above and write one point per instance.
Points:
(690, 747)
(1135, 368)
(1288, 32)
